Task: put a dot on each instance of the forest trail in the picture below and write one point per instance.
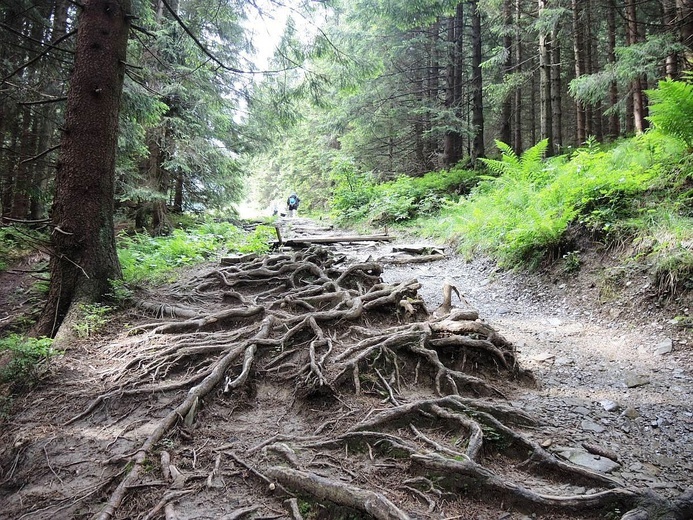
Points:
(315, 383)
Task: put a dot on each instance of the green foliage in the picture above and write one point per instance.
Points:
(258, 241)
(28, 359)
(671, 109)
(522, 216)
(154, 259)
(17, 241)
(358, 197)
(92, 318)
(515, 168)
(638, 60)
(571, 261)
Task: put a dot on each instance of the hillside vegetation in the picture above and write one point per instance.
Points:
(634, 197)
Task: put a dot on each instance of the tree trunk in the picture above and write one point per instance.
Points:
(517, 116)
(432, 86)
(477, 86)
(452, 142)
(84, 257)
(636, 86)
(178, 195)
(671, 68)
(684, 10)
(43, 169)
(507, 108)
(614, 119)
(556, 93)
(578, 46)
(545, 124)
(592, 63)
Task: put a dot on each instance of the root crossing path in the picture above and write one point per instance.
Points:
(301, 385)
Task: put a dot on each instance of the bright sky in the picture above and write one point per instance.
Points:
(268, 25)
(267, 28)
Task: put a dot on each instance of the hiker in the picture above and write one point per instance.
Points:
(292, 202)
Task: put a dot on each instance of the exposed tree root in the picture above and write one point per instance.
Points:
(394, 390)
(375, 504)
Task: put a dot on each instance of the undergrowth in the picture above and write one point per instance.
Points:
(17, 241)
(154, 259)
(358, 197)
(637, 189)
(525, 211)
(26, 359)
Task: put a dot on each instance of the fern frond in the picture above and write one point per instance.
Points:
(533, 156)
(498, 167)
(508, 153)
(671, 110)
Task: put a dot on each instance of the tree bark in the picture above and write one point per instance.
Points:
(578, 46)
(452, 142)
(545, 124)
(507, 108)
(636, 85)
(556, 93)
(84, 257)
(517, 105)
(477, 86)
(669, 21)
(432, 85)
(614, 119)
(684, 9)
(596, 127)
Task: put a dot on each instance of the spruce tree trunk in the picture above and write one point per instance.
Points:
(477, 87)
(636, 86)
(507, 108)
(578, 50)
(684, 10)
(432, 87)
(545, 124)
(517, 104)
(614, 120)
(452, 142)
(556, 93)
(671, 68)
(84, 257)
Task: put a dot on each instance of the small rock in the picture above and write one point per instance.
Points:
(593, 462)
(592, 426)
(635, 380)
(631, 413)
(665, 347)
(546, 443)
(609, 406)
(581, 410)
(543, 356)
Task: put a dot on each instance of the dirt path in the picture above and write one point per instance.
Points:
(606, 371)
(351, 407)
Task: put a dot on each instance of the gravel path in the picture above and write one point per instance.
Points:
(612, 375)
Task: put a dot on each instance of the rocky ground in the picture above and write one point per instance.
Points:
(614, 368)
(612, 363)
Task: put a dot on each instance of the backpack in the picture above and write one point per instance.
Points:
(292, 200)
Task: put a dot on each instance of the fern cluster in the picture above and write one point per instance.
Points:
(523, 214)
(357, 197)
(671, 109)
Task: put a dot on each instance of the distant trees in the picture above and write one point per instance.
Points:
(423, 85)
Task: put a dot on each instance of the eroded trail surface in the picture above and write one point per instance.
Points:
(338, 382)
